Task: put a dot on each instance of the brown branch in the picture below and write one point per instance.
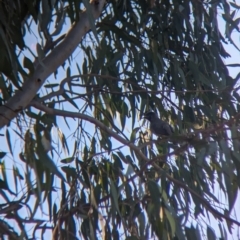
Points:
(141, 90)
(99, 88)
(5, 230)
(138, 152)
(97, 123)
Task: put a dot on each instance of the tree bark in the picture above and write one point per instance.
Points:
(50, 63)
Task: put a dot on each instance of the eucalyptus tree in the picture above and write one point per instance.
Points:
(76, 161)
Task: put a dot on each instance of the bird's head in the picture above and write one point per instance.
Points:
(149, 116)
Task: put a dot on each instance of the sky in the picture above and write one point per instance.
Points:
(31, 40)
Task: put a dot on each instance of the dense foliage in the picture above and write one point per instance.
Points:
(105, 176)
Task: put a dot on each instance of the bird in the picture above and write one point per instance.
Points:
(158, 126)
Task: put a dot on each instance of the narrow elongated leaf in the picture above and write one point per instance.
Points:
(9, 141)
(114, 195)
(210, 234)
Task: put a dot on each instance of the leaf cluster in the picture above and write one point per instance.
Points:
(165, 56)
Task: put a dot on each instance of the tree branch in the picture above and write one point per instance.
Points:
(138, 152)
(50, 63)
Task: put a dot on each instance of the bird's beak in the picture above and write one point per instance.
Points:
(143, 116)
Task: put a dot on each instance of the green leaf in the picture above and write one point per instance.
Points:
(210, 234)
(117, 162)
(142, 223)
(55, 215)
(67, 160)
(190, 233)
(53, 85)
(171, 221)
(9, 141)
(154, 191)
(69, 99)
(123, 114)
(47, 162)
(133, 134)
(197, 233)
(225, 148)
(46, 15)
(114, 195)
(234, 5)
(59, 22)
(70, 172)
(2, 154)
(17, 175)
(63, 140)
(233, 65)
(27, 63)
(3, 185)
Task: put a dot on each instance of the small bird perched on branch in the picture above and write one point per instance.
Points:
(157, 126)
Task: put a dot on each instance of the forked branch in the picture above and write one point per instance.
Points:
(49, 64)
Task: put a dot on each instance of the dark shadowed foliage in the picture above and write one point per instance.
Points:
(93, 74)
